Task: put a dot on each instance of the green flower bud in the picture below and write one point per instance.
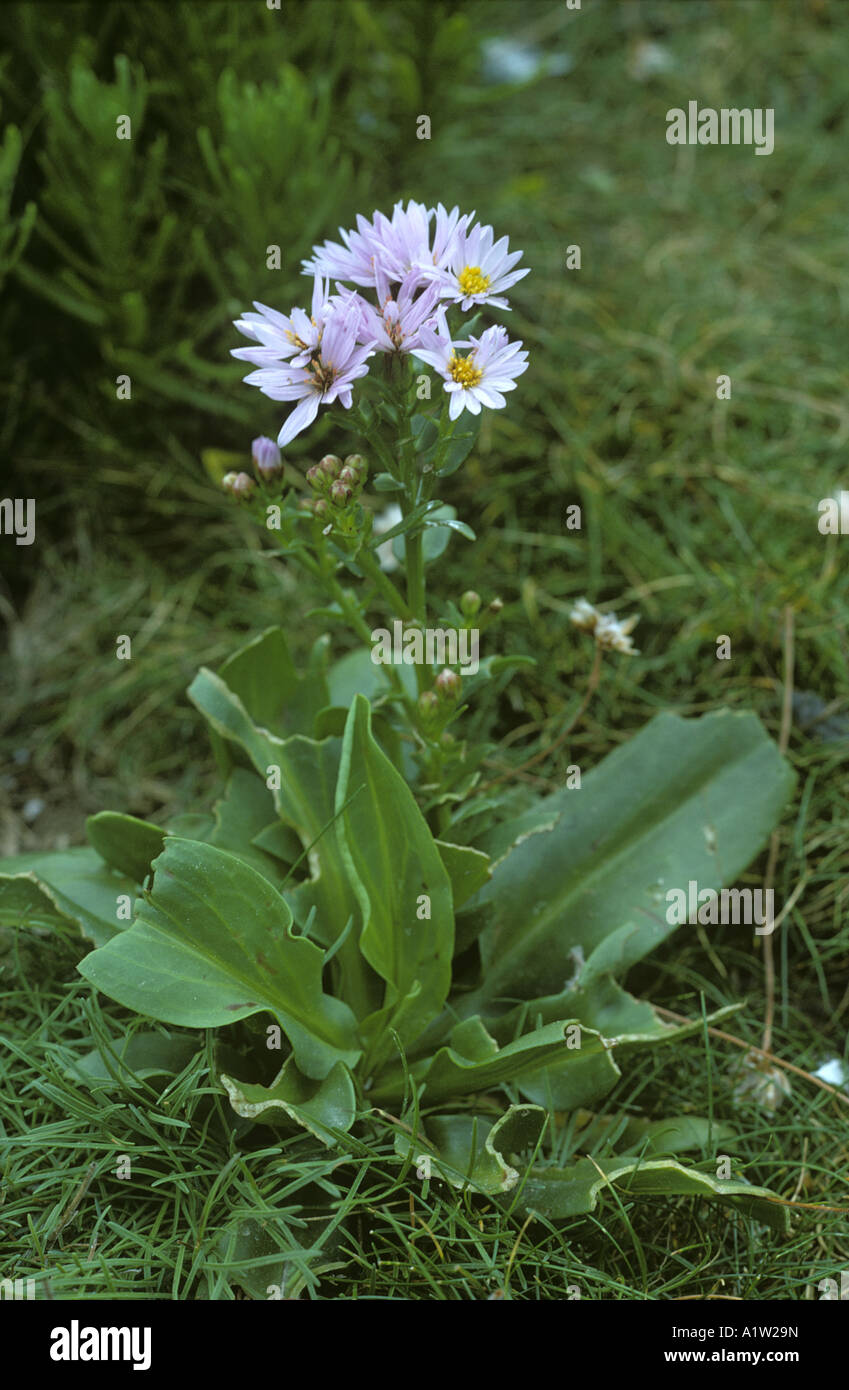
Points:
(428, 706)
(306, 504)
(330, 466)
(496, 606)
(320, 508)
(350, 477)
(316, 478)
(448, 685)
(358, 463)
(340, 494)
(241, 487)
(470, 603)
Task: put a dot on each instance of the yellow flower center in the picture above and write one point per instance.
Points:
(323, 373)
(471, 281)
(464, 370)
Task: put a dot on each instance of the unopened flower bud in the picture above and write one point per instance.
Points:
(496, 606)
(428, 705)
(266, 458)
(306, 504)
(358, 463)
(320, 508)
(316, 478)
(470, 603)
(330, 466)
(242, 486)
(350, 477)
(340, 494)
(448, 684)
(228, 480)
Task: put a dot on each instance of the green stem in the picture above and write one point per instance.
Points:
(416, 595)
(357, 623)
(383, 584)
(415, 575)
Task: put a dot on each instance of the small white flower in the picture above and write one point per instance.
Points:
(395, 325)
(766, 1085)
(482, 375)
(294, 339)
(327, 374)
(611, 633)
(834, 1072)
(353, 260)
(584, 616)
(392, 245)
(403, 242)
(479, 271)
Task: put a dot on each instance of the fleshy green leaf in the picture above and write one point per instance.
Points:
(241, 816)
(140, 1057)
(280, 842)
(425, 432)
(24, 902)
(263, 676)
(684, 799)
(211, 944)
(305, 801)
(394, 866)
(467, 1151)
(73, 882)
(577, 1063)
(384, 482)
(130, 845)
(677, 1134)
(604, 1005)
(468, 870)
(558, 1193)
(460, 446)
(271, 1261)
(356, 674)
(461, 527)
(325, 1108)
(438, 526)
(413, 518)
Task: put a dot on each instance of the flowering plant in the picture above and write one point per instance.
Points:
(367, 918)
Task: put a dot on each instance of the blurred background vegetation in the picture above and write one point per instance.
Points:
(253, 127)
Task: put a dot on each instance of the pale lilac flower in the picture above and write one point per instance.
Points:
(354, 260)
(295, 338)
(394, 326)
(394, 245)
(327, 377)
(266, 458)
(479, 271)
(403, 242)
(482, 375)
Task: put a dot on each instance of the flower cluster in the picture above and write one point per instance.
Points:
(611, 633)
(415, 265)
(335, 482)
(268, 466)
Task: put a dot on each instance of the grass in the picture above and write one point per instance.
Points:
(698, 513)
(174, 1226)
